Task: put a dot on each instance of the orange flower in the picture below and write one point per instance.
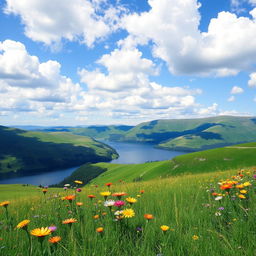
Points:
(40, 232)
(214, 194)
(91, 196)
(148, 216)
(70, 198)
(69, 221)
(142, 191)
(79, 203)
(23, 224)
(241, 196)
(44, 190)
(109, 184)
(226, 186)
(99, 230)
(119, 194)
(5, 203)
(97, 216)
(54, 239)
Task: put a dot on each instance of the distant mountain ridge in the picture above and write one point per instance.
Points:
(180, 134)
(26, 152)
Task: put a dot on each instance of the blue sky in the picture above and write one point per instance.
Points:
(125, 62)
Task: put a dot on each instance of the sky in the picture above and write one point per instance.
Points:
(85, 62)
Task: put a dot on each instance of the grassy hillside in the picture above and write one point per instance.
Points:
(220, 159)
(24, 152)
(202, 218)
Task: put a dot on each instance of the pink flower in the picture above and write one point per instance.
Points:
(78, 189)
(119, 203)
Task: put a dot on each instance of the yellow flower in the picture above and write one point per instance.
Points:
(105, 193)
(241, 196)
(165, 228)
(78, 182)
(40, 232)
(131, 200)
(240, 186)
(23, 224)
(195, 237)
(128, 213)
(5, 203)
(247, 183)
(99, 230)
(54, 239)
(243, 191)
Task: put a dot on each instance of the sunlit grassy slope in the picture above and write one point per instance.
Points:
(199, 224)
(220, 159)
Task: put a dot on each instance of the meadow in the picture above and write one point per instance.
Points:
(202, 214)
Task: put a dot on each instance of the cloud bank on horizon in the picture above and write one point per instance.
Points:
(106, 61)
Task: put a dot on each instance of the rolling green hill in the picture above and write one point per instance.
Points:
(24, 152)
(219, 159)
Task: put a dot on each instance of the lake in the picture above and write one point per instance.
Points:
(129, 153)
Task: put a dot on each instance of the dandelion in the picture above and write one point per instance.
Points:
(164, 228)
(40, 232)
(148, 216)
(54, 239)
(131, 200)
(128, 213)
(69, 221)
(99, 230)
(23, 224)
(195, 237)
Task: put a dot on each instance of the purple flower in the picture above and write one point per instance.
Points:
(65, 188)
(52, 228)
(139, 229)
(254, 176)
(221, 208)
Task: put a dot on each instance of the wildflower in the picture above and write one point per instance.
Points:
(23, 224)
(52, 228)
(97, 216)
(221, 208)
(65, 188)
(69, 221)
(128, 213)
(5, 204)
(105, 194)
(99, 230)
(104, 214)
(54, 239)
(164, 228)
(142, 191)
(148, 216)
(226, 186)
(240, 186)
(109, 203)
(44, 190)
(241, 196)
(117, 213)
(79, 203)
(217, 214)
(218, 198)
(67, 185)
(91, 196)
(139, 229)
(109, 184)
(243, 191)
(131, 200)
(195, 237)
(70, 198)
(119, 194)
(214, 194)
(119, 203)
(78, 190)
(78, 182)
(247, 183)
(138, 196)
(40, 232)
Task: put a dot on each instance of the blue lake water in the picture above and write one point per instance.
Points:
(129, 153)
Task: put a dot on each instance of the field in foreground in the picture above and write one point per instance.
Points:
(207, 214)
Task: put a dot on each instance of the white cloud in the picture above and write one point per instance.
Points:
(49, 21)
(226, 48)
(252, 81)
(236, 90)
(231, 98)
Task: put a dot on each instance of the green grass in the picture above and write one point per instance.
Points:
(184, 203)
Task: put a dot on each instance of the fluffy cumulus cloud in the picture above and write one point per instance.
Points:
(30, 86)
(49, 21)
(236, 90)
(252, 81)
(173, 28)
